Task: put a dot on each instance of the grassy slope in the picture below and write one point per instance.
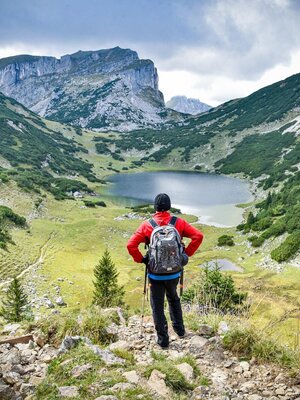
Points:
(81, 235)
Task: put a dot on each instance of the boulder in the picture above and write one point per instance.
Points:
(197, 343)
(27, 389)
(11, 328)
(132, 377)
(186, 370)
(49, 303)
(80, 370)
(205, 330)
(6, 393)
(106, 355)
(60, 301)
(71, 341)
(121, 344)
(121, 386)
(11, 378)
(68, 391)
(245, 366)
(219, 378)
(12, 356)
(157, 383)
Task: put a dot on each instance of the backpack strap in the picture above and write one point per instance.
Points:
(152, 223)
(173, 221)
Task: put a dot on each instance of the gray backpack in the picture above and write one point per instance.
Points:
(166, 251)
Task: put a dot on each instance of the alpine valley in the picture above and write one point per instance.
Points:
(68, 123)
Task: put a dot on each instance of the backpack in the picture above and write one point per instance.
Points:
(166, 250)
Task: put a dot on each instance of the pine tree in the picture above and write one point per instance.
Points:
(15, 307)
(107, 293)
(269, 200)
(250, 219)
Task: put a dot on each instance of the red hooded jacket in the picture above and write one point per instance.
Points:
(143, 233)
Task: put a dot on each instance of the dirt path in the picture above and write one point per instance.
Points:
(38, 261)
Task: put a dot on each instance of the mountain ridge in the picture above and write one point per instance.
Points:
(187, 105)
(103, 89)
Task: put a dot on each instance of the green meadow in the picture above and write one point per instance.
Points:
(70, 238)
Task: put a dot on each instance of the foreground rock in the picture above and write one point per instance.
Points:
(24, 366)
(157, 384)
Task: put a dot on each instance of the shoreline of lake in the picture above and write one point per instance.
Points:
(208, 210)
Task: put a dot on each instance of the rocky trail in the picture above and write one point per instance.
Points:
(222, 375)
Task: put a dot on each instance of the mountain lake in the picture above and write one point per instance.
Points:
(212, 198)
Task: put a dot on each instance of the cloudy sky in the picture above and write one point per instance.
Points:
(214, 50)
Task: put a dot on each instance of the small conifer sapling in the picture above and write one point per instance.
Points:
(107, 293)
(15, 307)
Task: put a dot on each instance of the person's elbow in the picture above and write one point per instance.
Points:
(130, 247)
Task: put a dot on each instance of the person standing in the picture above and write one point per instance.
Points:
(165, 283)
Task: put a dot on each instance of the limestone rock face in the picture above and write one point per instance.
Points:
(187, 105)
(101, 90)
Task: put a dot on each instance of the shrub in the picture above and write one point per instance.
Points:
(89, 203)
(225, 240)
(262, 224)
(288, 248)
(93, 204)
(215, 290)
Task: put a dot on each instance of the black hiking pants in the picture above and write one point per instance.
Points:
(158, 289)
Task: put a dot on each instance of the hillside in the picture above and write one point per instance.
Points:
(35, 156)
(101, 90)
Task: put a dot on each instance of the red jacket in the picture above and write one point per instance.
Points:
(143, 233)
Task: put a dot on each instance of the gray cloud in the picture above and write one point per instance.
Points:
(234, 39)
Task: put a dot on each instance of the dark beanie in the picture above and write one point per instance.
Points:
(162, 202)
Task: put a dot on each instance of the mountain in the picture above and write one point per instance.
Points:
(105, 89)
(222, 128)
(187, 105)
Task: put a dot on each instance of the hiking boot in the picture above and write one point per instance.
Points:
(160, 347)
(181, 334)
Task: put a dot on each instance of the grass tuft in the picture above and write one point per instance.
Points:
(248, 341)
(174, 378)
(90, 322)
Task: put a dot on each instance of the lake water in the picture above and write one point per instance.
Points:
(223, 264)
(212, 198)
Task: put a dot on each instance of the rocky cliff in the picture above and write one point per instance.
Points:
(187, 105)
(105, 89)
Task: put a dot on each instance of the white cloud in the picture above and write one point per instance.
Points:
(243, 39)
(230, 48)
(215, 89)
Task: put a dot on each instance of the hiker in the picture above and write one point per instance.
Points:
(164, 266)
